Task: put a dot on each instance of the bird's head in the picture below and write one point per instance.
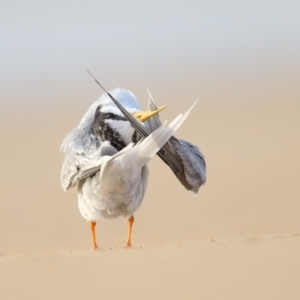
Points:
(110, 124)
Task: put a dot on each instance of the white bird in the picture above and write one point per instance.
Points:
(111, 183)
(102, 132)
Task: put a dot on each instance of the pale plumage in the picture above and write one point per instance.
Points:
(97, 146)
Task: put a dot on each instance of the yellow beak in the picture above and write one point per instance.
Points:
(145, 115)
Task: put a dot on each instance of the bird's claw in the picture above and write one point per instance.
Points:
(128, 245)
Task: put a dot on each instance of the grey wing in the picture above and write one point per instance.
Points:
(94, 163)
(78, 166)
(185, 159)
(79, 146)
(70, 169)
(193, 162)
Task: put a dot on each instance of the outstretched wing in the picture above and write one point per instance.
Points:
(185, 159)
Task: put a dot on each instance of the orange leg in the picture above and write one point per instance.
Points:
(93, 231)
(130, 223)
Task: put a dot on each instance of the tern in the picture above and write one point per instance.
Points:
(103, 131)
(112, 182)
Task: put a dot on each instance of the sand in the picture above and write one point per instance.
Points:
(239, 239)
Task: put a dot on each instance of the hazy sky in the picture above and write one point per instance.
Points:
(139, 44)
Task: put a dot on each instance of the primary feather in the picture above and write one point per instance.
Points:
(185, 159)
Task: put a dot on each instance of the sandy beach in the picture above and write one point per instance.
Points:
(238, 239)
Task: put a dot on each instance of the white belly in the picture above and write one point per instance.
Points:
(95, 204)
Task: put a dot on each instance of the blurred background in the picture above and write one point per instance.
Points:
(241, 58)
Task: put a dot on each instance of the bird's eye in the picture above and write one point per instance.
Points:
(110, 116)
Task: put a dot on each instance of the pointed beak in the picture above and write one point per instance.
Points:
(145, 115)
